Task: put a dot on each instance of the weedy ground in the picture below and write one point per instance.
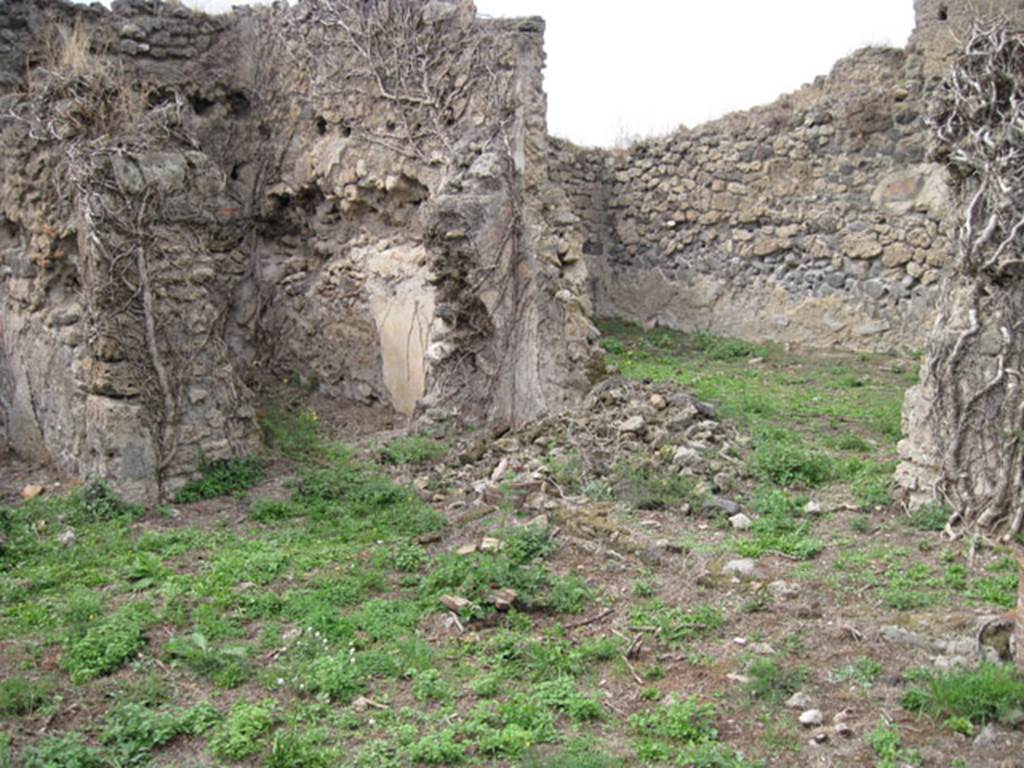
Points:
(285, 610)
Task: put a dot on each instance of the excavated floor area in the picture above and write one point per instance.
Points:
(703, 565)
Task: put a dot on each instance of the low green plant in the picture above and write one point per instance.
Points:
(300, 749)
(675, 625)
(240, 734)
(518, 566)
(862, 524)
(131, 731)
(781, 458)
(439, 748)
(96, 502)
(575, 755)
(990, 693)
(851, 442)
(567, 472)
(293, 434)
(760, 601)
(718, 348)
(429, 685)
(351, 492)
(561, 694)
(226, 665)
(334, 676)
(145, 571)
(999, 588)
(872, 487)
(662, 733)
(777, 528)
(414, 449)
(886, 742)
(221, 477)
(767, 500)
(960, 725)
(647, 485)
(271, 511)
(770, 681)
(108, 644)
(22, 696)
(644, 586)
(911, 587)
(406, 557)
(6, 758)
(930, 517)
(862, 671)
(510, 741)
(68, 750)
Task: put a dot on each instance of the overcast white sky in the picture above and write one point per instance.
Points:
(647, 66)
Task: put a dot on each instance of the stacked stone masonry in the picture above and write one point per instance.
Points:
(194, 206)
(815, 220)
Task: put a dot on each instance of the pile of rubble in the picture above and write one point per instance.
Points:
(578, 468)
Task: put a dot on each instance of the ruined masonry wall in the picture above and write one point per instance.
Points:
(288, 222)
(815, 220)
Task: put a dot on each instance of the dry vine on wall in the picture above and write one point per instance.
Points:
(976, 373)
(420, 70)
(88, 118)
(975, 370)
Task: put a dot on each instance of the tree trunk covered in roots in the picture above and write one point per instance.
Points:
(966, 419)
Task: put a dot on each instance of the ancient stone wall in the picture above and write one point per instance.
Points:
(196, 204)
(941, 27)
(816, 219)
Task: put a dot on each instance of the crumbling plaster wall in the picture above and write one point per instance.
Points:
(295, 212)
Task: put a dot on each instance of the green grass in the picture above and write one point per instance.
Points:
(475, 576)
(242, 733)
(132, 731)
(782, 459)
(221, 477)
(291, 433)
(282, 612)
(226, 665)
(64, 751)
(309, 602)
(886, 742)
(576, 755)
(675, 625)
(912, 587)
(999, 587)
(770, 681)
(991, 693)
(108, 644)
(415, 449)
(23, 696)
(778, 528)
(681, 733)
(837, 403)
(862, 672)
(930, 517)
